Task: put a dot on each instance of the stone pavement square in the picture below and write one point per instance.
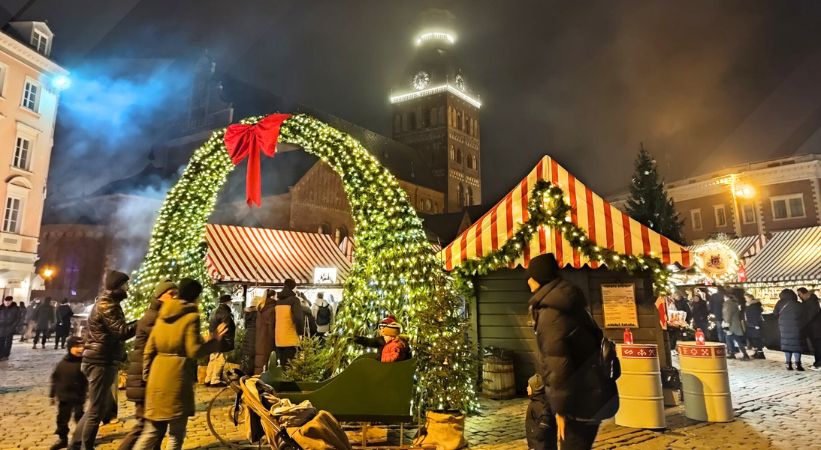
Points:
(773, 408)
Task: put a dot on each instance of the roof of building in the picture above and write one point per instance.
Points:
(788, 256)
(260, 255)
(604, 224)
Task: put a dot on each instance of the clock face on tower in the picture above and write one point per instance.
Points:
(421, 80)
(460, 82)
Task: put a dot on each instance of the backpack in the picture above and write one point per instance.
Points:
(323, 315)
(606, 359)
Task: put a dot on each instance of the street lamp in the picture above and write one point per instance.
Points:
(738, 190)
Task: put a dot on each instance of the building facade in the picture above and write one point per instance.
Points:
(757, 198)
(29, 94)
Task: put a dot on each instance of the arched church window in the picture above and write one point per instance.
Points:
(459, 156)
(469, 197)
(460, 194)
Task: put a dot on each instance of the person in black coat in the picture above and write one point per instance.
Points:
(790, 318)
(68, 387)
(21, 324)
(134, 384)
(44, 318)
(569, 343)
(62, 328)
(216, 362)
(716, 305)
(249, 319)
(540, 425)
(812, 323)
(755, 322)
(104, 351)
(700, 313)
(9, 319)
(682, 304)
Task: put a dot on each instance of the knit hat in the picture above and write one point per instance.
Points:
(189, 289)
(163, 287)
(289, 283)
(390, 319)
(535, 383)
(391, 329)
(74, 341)
(225, 298)
(115, 280)
(543, 268)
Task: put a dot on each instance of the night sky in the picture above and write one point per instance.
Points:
(701, 83)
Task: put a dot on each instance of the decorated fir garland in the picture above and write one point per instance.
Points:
(547, 207)
(395, 270)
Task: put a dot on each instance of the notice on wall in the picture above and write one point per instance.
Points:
(619, 303)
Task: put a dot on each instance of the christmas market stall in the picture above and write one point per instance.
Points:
(789, 260)
(618, 263)
(254, 259)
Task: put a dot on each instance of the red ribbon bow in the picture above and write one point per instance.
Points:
(243, 141)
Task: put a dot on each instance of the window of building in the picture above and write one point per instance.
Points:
(469, 198)
(748, 213)
(695, 218)
(788, 207)
(11, 218)
(468, 127)
(40, 42)
(459, 124)
(323, 228)
(452, 153)
(22, 150)
(3, 71)
(472, 163)
(30, 95)
(460, 194)
(458, 156)
(721, 215)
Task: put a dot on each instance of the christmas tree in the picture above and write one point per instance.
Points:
(649, 202)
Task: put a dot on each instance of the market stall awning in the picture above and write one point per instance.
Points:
(265, 256)
(605, 225)
(793, 255)
(744, 247)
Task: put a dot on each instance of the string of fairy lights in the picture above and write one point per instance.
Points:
(395, 270)
(548, 206)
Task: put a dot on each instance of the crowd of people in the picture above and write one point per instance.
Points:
(737, 319)
(37, 322)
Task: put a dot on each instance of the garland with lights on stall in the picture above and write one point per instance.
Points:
(548, 207)
(395, 270)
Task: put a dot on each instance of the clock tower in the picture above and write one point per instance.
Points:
(436, 113)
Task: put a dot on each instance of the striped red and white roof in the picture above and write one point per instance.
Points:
(265, 256)
(788, 256)
(605, 225)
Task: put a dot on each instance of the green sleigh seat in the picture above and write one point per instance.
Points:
(366, 391)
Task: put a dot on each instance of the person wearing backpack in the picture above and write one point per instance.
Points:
(321, 310)
(577, 364)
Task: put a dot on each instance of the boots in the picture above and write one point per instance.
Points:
(759, 355)
(799, 367)
(61, 443)
(746, 357)
(789, 366)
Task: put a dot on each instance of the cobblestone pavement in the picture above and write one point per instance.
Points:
(774, 409)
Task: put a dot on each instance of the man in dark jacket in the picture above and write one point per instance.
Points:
(540, 424)
(63, 324)
(569, 341)
(21, 323)
(68, 387)
(104, 351)
(812, 323)
(701, 313)
(9, 318)
(755, 322)
(44, 316)
(216, 362)
(716, 305)
(134, 385)
(682, 304)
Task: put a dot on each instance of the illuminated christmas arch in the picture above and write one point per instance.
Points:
(395, 270)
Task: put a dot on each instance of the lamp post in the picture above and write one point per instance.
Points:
(738, 190)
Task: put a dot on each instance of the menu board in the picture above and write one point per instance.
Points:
(619, 303)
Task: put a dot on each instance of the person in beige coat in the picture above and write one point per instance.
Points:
(170, 366)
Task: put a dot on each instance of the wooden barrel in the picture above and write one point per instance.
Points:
(498, 381)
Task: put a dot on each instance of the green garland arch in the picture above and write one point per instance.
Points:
(395, 270)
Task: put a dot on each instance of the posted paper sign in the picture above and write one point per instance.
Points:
(619, 303)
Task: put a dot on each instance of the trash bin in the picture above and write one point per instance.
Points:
(641, 400)
(704, 382)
